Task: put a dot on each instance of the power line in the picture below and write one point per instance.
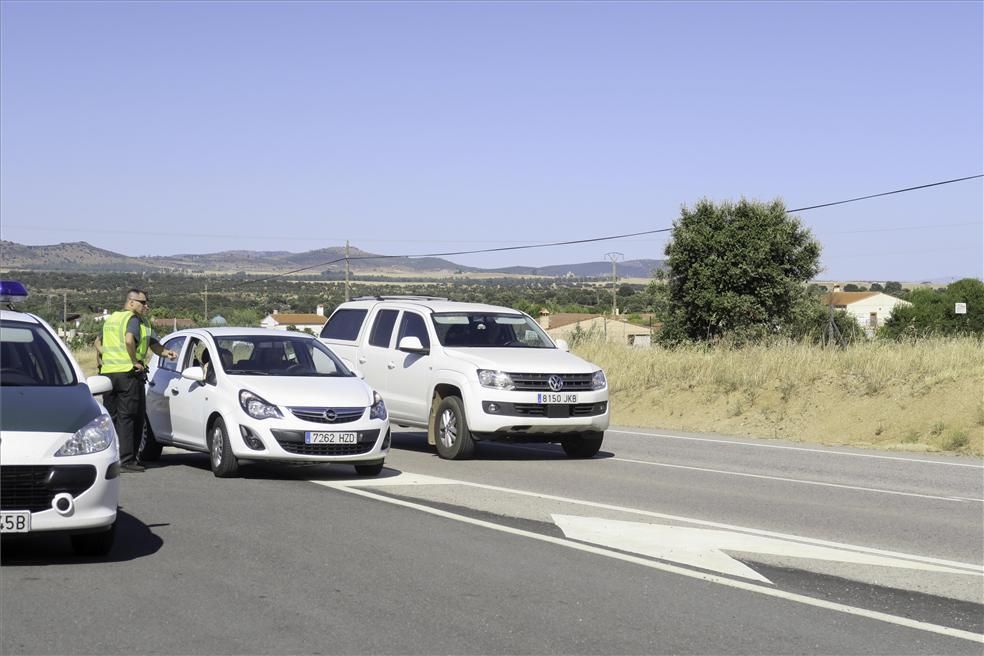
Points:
(886, 193)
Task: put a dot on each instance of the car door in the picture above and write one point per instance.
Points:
(375, 358)
(408, 384)
(158, 400)
(188, 398)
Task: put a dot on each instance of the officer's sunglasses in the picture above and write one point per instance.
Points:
(143, 301)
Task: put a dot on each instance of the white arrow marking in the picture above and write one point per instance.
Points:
(704, 548)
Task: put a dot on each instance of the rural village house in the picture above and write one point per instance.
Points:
(561, 326)
(870, 309)
(280, 321)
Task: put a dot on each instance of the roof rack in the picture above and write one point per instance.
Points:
(409, 297)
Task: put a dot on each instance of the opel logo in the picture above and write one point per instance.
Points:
(555, 382)
(329, 415)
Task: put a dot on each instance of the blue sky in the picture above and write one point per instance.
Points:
(190, 127)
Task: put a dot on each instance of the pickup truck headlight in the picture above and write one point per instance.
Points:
(598, 381)
(256, 407)
(378, 409)
(497, 379)
(95, 436)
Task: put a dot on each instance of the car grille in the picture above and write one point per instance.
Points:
(538, 382)
(293, 442)
(317, 415)
(553, 410)
(32, 487)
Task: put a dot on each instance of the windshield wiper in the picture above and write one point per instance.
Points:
(248, 372)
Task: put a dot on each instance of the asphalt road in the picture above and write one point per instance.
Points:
(664, 543)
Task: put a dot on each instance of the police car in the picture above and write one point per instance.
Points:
(59, 454)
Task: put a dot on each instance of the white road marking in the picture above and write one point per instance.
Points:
(796, 480)
(797, 448)
(705, 548)
(354, 488)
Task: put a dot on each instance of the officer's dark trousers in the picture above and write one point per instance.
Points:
(126, 404)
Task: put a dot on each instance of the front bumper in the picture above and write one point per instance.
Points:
(525, 413)
(283, 440)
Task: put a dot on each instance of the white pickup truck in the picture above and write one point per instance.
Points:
(469, 372)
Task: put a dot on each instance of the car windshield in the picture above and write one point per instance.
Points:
(288, 355)
(30, 356)
(489, 330)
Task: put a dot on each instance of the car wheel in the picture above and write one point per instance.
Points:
(224, 463)
(583, 446)
(451, 434)
(150, 449)
(369, 470)
(94, 544)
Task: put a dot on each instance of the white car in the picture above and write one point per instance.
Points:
(260, 394)
(59, 454)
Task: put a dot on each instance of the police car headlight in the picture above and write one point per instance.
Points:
(95, 436)
(598, 381)
(497, 379)
(378, 409)
(256, 407)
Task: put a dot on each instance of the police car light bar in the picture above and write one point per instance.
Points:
(12, 292)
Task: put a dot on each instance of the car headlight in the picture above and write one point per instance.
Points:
(256, 407)
(95, 436)
(378, 409)
(598, 381)
(497, 379)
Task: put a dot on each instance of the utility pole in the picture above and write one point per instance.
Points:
(206, 301)
(614, 257)
(64, 309)
(346, 270)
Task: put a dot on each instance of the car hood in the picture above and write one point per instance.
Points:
(293, 391)
(63, 409)
(523, 360)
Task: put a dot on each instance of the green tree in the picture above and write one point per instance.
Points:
(737, 270)
(932, 312)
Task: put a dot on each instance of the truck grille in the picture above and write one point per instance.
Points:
(538, 382)
(334, 415)
(552, 410)
(32, 487)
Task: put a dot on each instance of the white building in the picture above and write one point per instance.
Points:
(870, 309)
(281, 320)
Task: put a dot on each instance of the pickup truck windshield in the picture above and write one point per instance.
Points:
(484, 330)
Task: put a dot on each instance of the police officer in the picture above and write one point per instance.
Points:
(126, 338)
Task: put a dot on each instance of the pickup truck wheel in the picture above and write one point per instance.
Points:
(452, 437)
(583, 446)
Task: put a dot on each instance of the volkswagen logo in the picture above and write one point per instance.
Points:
(556, 383)
(329, 415)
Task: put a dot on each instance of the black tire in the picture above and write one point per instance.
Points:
(583, 446)
(150, 449)
(224, 463)
(451, 434)
(369, 470)
(94, 544)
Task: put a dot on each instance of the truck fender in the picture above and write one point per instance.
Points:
(445, 380)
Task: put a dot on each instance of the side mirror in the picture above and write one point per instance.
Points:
(99, 384)
(194, 373)
(562, 344)
(411, 344)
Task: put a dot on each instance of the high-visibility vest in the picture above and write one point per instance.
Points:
(115, 357)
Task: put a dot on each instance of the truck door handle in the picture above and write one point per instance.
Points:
(362, 359)
(174, 392)
(391, 365)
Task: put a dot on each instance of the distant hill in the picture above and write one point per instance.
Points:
(84, 257)
(626, 269)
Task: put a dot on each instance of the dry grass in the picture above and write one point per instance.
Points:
(926, 395)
